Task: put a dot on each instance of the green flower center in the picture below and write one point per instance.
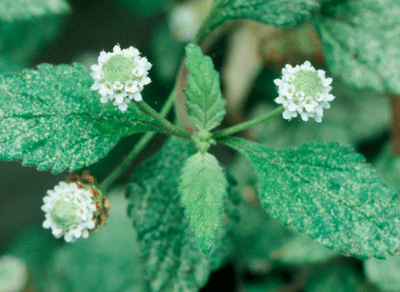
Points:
(309, 82)
(119, 68)
(63, 213)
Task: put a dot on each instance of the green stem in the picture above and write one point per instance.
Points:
(248, 124)
(108, 181)
(164, 122)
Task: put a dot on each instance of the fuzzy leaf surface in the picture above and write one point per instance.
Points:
(203, 188)
(206, 106)
(328, 192)
(361, 41)
(52, 119)
(171, 256)
(273, 12)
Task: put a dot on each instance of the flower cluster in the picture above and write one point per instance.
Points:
(69, 211)
(73, 209)
(120, 76)
(304, 91)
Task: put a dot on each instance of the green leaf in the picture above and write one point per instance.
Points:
(384, 274)
(361, 42)
(51, 118)
(27, 25)
(206, 106)
(273, 12)
(328, 192)
(337, 278)
(170, 254)
(106, 261)
(172, 258)
(203, 188)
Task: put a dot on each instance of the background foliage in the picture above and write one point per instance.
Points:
(253, 251)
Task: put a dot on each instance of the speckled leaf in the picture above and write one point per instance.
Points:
(361, 40)
(203, 188)
(172, 258)
(51, 118)
(337, 278)
(170, 254)
(206, 106)
(384, 274)
(273, 12)
(328, 192)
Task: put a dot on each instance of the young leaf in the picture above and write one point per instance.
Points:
(203, 188)
(206, 106)
(328, 192)
(361, 42)
(170, 254)
(51, 118)
(273, 12)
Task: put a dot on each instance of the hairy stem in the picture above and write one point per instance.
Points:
(248, 124)
(174, 130)
(108, 181)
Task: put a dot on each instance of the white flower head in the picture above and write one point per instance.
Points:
(119, 73)
(303, 91)
(73, 210)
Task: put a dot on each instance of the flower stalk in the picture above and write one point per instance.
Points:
(243, 126)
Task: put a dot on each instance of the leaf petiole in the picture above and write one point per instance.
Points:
(174, 130)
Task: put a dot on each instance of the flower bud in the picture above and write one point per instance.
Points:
(305, 91)
(75, 207)
(120, 76)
